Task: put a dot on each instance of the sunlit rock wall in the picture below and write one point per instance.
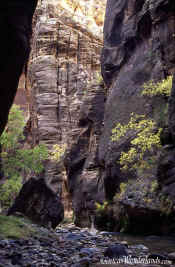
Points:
(65, 59)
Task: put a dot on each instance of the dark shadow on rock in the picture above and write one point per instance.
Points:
(116, 251)
(15, 24)
(39, 203)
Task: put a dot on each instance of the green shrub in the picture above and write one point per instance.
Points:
(146, 139)
(99, 78)
(16, 160)
(14, 129)
(16, 227)
(101, 207)
(57, 152)
(161, 88)
(144, 131)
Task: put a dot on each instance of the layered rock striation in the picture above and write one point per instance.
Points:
(65, 60)
(70, 107)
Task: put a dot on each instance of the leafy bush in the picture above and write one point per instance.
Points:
(101, 207)
(99, 78)
(57, 152)
(16, 160)
(147, 138)
(14, 129)
(145, 131)
(161, 88)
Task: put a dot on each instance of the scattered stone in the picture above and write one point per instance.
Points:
(84, 262)
(157, 256)
(171, 256)
(74, 237)
(116, 251)
(69, 247)
(142, 247)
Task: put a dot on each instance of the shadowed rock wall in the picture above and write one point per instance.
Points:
(68, 107)
(138, 47)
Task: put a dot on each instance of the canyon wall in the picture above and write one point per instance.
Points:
(71, 107)
(138, 47)
(66, 105)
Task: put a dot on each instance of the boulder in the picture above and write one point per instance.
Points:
(116, 251)
(39, 203)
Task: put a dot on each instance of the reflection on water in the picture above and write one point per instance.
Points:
(157, 244)
(93, 230)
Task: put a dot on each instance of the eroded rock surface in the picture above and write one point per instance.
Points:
(138, 47)
(38, 202)
(16, 24)
(82, 166)
(69, 109)
(66, 107)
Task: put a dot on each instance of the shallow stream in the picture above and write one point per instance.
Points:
(156, 244)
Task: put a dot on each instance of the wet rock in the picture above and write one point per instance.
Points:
(88, 251)
(171, 256)
(39, 203)
(16, 258)
(116, 251)
(157, 256)
(56, 250)
(142, 247)
(84, 262)
(74, 237)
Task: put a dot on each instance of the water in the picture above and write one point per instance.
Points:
(156, 244)
(93, 230)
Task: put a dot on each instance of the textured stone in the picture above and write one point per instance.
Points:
(138, 47)
(66, 108)
(38, 202)
(16, 25)
(69, 109)
(115, 251)
(172, 111)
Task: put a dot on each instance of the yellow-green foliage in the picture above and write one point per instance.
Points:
(147, 137)
(99, 78)
(166, 204)
(154, 186)
(123, 187)
(57, 152)
(161, 88)
(101, 207)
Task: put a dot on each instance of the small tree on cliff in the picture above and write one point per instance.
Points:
(144, 133)
(145, 141)
(15, 160)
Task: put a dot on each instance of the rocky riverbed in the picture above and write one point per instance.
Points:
(70, 246)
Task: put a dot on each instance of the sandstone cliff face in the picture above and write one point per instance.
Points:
(64, 61)
(88, 14)
(138, 47)
(68, 107)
